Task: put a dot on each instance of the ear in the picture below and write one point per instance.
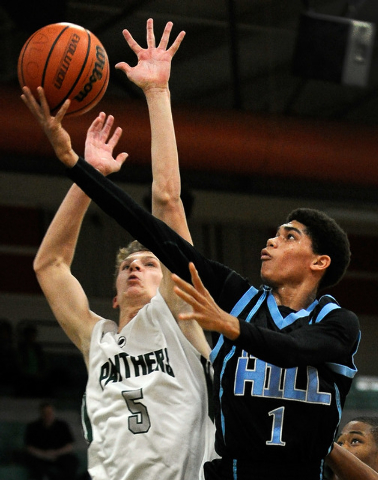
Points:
(115, 302)
(321, 263)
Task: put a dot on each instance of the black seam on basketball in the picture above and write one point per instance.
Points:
(93, 102)
(49, 55)
(79, 75)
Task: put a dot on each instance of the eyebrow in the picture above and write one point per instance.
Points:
(358, 432)
(351, 432)
(289, 228)
(142, 256)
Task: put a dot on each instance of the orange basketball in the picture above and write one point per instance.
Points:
(68, 61)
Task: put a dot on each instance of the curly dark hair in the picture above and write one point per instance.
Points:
(327, 238)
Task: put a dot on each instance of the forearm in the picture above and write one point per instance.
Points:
(166, 176)
(347, 466)
(331, 340)
(59, 243)
(166, 184)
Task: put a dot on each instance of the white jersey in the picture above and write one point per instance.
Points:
(146, 401)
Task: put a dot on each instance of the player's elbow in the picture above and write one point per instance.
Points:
(38, 265)
(42, 265)
(165, 196)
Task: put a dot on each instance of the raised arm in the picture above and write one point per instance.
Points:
(152, 74)
(52, 264)
(347, 466)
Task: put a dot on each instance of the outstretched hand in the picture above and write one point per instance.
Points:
(205, 310)
(52, 126)
(154, 63)
(99, 147)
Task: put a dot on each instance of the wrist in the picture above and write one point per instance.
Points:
(69, 159)
(152, 92)
(231, 327)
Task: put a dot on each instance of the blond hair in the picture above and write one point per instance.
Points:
(125, 252)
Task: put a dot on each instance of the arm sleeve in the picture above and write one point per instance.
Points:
(171, 249)
(334, 339)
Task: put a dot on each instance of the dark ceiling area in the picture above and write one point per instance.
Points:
(262, 57)
(236, 54)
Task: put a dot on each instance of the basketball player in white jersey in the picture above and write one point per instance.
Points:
(146, 401)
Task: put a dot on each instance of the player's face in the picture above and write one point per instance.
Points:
(356, 437)
(139, 276)
(287, 257)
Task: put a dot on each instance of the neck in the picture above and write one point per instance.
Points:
(294, 298)
(130, 309)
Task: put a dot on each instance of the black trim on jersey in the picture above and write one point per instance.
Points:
(85, 421)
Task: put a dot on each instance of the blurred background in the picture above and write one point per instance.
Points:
(275, 106)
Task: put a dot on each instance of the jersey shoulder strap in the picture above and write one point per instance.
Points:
(251, 298)
(326, 305)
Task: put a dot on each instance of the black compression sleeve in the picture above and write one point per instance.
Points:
(331, 340)
(171, 249)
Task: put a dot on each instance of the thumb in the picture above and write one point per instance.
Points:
(125, 67)
(121, 157)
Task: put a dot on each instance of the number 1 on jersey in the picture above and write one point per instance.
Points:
(278, 417)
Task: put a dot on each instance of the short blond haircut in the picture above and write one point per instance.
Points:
(125, 252)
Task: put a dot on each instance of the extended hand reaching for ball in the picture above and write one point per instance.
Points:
(205, 310)
(98, 146)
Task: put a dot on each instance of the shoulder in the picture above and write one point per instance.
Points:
(234, 287)
(330, 311)
(160, 307)
(100, 328)
(349, 319)
(158, 298)
(104, 325)
(328, 305)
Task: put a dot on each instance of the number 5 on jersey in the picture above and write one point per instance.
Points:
(139, 421)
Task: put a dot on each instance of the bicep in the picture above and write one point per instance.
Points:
(69, 304)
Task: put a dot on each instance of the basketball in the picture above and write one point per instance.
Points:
(68, 61)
